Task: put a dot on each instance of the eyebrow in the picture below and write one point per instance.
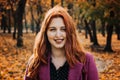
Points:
(63, 26)
(51, 27)
(54, 26)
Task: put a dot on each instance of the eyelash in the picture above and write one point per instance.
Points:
(55, 29)
(63, 29)
(52, 29)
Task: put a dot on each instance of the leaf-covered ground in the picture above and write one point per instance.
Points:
(108, 64)
(13, 60)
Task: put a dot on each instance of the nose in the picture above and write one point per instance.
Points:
(58, 33)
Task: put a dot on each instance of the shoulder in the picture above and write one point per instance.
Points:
(90, 67)
(89, 56)
(89, 59)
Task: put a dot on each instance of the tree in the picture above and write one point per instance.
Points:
(13, 5)
(88, 29)
(19, 15)
(32, 20)
(90, 12)
(3, 14)
(9, 16)
(52, 3)
(117, 29)
(93, 23)
(4, 22)
(109, 33)
(70, 8)
(37, 19)
(108, 12)
(103, 27)
(25, 23)
(113, 8)
(62, 2)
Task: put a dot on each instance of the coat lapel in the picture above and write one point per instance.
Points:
(44, 71)
(75, 72)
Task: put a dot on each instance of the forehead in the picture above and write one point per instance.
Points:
(57, 21)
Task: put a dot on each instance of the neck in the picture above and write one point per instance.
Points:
(58, 53)
(58, 57)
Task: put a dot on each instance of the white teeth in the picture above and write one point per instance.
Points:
(59, 40)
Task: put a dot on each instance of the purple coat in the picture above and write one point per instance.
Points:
(75, 72)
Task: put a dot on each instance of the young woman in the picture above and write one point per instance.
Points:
(57, 51)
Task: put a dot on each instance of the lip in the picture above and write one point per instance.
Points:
(59, 40)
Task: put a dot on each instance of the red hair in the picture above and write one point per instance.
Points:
(73, 51)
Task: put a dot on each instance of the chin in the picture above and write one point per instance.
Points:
(59, 46)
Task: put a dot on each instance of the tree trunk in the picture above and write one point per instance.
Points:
(93, 25)
(37, 27)
(20, 12)
(13, 13)
(32, 20)
(86, 33)
(25, 23)
(32, 26)
(89, 30)
(15, 27)
(109, 38)
(70, 8)
(9, 17)
(9, 21)
(103, 28)
(62, 2)
(52, 3)
(4, 23)
(117, 29)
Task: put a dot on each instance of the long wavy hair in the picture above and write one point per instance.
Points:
(73, 50)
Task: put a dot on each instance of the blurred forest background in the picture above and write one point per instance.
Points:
(98, 23)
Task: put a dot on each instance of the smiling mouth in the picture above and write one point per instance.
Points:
(59, 40)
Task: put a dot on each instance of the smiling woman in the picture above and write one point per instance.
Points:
(57, 51)
(56, 33)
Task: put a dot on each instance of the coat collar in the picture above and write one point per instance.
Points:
(74, 72)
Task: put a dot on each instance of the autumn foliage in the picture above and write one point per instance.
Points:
(105, 15)
(13, 60)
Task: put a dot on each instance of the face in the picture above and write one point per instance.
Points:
(56, 33)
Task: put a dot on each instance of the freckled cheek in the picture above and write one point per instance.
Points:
(64, 35)
(50, 35)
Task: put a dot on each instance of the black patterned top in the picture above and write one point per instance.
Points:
(59, 74)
